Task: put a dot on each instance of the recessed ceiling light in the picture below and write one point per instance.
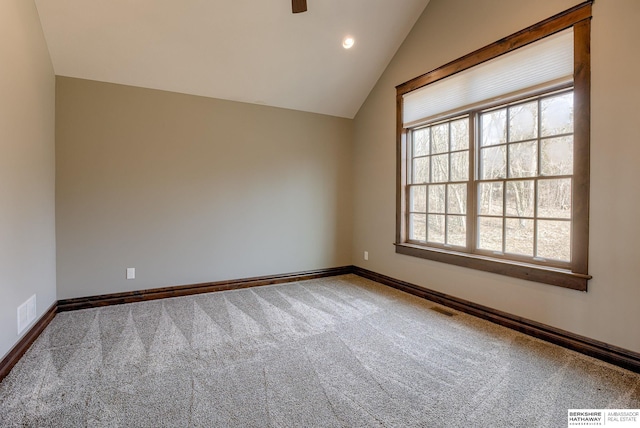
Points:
(348, 42)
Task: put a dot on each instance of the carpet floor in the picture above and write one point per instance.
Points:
(333, 352)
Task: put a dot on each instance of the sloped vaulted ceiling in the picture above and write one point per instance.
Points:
(253, 51)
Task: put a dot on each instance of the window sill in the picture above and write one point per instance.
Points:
(553, 276)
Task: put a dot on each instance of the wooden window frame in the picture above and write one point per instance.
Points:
(575, 276)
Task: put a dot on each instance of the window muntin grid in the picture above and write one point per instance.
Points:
(522, 187)
(438, 177)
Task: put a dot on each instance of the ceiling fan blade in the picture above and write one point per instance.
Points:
(299, 6)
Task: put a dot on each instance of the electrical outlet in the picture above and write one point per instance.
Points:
(366, 255)
(131, 273)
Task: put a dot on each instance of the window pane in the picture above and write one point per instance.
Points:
(421, 170)
(554, 198)
(490, 198)
(457, 199)
(421, 142)
(417, 227)
(436, 199)
(493, 162)
(523, 121)
(440, 136)
(490, 234)
(519, 236)
(440, 165)
(557, 156)
(436, 228)
(523, 159)
(457, 230)
(460, 134)
(557, 115)
(418, 196)
(554, 240)
(520, 198)
(494, 128)
(459, 166)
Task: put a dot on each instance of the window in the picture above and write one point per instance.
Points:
(493, 156)
(438, 183)
(523, 187)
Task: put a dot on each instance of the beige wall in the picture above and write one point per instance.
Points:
(449, 29)
(189, 189)
(27, 233)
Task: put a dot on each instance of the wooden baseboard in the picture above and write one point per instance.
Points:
(23, 345)
(27, 340)
(186, 290)
(603, 351)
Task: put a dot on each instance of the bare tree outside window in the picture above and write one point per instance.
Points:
(532, 139)
(439, 181)
(524, 184)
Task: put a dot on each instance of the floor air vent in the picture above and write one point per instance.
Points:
(442, 311)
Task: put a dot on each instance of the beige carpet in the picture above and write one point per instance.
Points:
(333, 352)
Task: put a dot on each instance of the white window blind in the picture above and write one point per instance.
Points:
(545, 62)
